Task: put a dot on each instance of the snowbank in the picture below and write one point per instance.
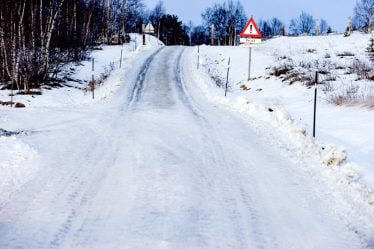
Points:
(18, 164)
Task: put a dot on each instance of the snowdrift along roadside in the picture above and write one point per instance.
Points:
(326, 162)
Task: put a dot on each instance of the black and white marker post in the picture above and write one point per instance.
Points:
(315, 105)
(143, 34)
(227, 79)
(120, 60)
(198, 57)
(93, 78)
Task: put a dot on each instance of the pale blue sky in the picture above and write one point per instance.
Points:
(336, 12)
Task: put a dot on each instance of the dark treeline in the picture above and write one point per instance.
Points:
(37, 37)
(168, 28)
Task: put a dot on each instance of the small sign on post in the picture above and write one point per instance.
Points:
(149, 29)
(250, 37)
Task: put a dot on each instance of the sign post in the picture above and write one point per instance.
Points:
(250, 36)
(249, 63)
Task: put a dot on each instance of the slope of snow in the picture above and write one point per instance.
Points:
(18, 164)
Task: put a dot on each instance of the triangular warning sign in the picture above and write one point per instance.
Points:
(251, 30)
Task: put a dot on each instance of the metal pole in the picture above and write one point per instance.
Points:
(227, 79)
(249, 63)
(93, 78)
(315, 105)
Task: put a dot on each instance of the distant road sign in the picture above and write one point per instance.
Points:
(250, 37)
(149, 29)
(251, 30)
(250, 40)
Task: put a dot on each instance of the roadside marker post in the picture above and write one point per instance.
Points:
(143, 31)
(120, 61)
(93, 78)
(315, 105)
(11, 94)
(198, 57)
(250, 36)
(227, 79)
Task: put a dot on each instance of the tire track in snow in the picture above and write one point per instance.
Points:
(138, 86)
(258, 237)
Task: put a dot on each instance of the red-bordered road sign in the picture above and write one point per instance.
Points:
(251, 30)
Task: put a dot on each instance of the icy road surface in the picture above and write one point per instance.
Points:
(159, 167)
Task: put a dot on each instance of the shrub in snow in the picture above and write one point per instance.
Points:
(370, 49)
(361, 68)
(333, 156)
(345, 54)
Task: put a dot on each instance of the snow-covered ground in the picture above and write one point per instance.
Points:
(162, 160)
(342, 153)
(349, 126)
(18, 160)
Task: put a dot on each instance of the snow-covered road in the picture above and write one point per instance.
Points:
(158, 166)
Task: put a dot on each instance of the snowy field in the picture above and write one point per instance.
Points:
(161, 159)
